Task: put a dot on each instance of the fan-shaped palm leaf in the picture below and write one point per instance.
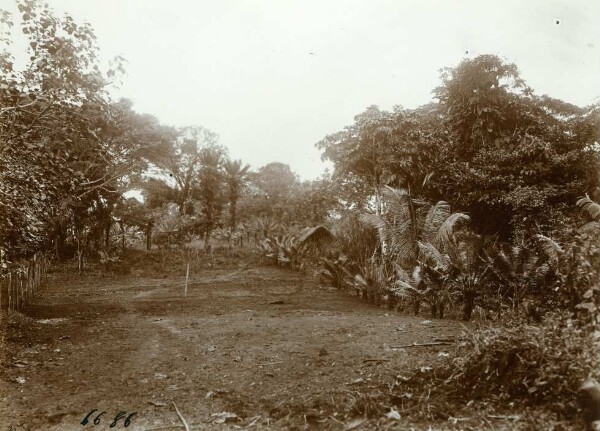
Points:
(589, 228)
(375, 221)
(590, 207)
(550, 248)
(446, 230)
(429, 252)
(434, 219)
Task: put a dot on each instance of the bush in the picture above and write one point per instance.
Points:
(354, 240)
(539, 364)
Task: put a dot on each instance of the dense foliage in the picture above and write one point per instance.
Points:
(69, 153)
(519, 248)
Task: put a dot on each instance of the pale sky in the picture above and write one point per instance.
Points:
(273, 77)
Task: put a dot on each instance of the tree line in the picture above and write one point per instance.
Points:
(69, 153)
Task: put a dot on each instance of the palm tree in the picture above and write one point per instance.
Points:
(520, 271)
(592, 212)
(235, 177)
(458, 270)
(409, 221)
(264, 226)
(416, 237)
(210, 179)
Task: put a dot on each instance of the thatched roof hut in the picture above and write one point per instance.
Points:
(315, 235)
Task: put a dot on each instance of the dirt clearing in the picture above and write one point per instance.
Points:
(255, 348)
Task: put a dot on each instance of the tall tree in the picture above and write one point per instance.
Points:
(360, 150)
(277, 182)
(315, 200)
(51, 157)
(515, 161)
(210, 190)
(236, 176)
(182, 161)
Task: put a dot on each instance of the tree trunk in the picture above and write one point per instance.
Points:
(79, 254)
(206, 239)
(378, 209)
(233, 212)
(57, 240)
(60, 242)
(107, 235)
(122, 226)
(416, 306)
(468, 305)
(149, 235)
(434, 310)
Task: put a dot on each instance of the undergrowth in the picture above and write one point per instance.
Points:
(542, 364)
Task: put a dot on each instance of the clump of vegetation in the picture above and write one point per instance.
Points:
(543, 363)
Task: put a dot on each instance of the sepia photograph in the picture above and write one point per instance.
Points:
(299, 215)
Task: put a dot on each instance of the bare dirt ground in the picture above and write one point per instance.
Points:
(265, 345)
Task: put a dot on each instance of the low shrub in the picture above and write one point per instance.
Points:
(540, 364)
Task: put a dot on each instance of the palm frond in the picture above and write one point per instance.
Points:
(590, 207)
(446, 230)
(416, 275)
(503, 265)
(360, 282)
(429, 252)
(552, 249)
(397, 199)
(374, 221)
(589, 228)
(402, 287)
(435, 218)
(401, 274)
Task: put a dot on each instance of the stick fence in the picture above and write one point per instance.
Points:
(20, 283)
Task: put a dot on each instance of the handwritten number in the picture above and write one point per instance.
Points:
(97, 420)
(128, 420)
(119, 416)
(114, 423)
(85, 419)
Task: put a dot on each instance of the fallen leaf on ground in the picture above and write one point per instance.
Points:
(353, 424)
(393, 414)
(157, 403)
(254, 421)
(223, 417)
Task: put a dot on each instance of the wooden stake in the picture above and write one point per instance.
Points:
(185, 424)
(187, 277)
